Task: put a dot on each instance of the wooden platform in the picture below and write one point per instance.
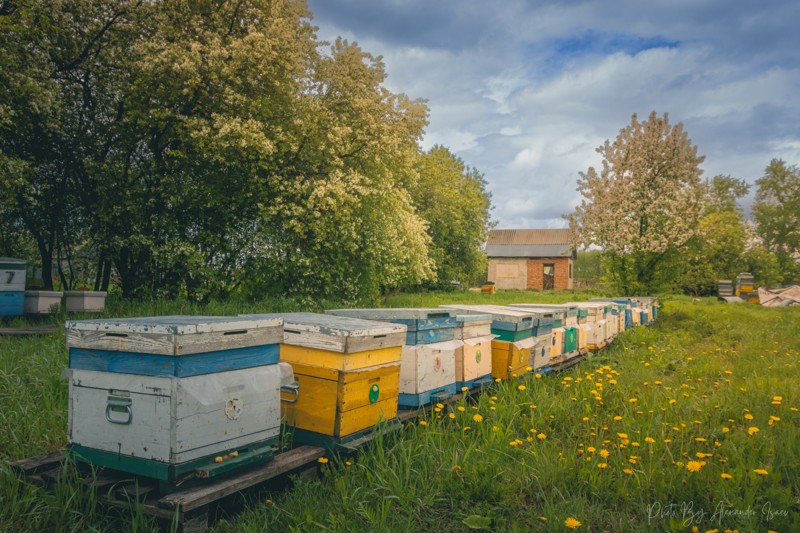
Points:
(27, 331)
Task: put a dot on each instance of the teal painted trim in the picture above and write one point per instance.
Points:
(527, 323)
(512, 336)
(12, 303)
(412, 401)
(335, 444)
(429, 336)
(12, 264)
(570, 339)
(181, 366)
(170, 474)
(542, 330)
(446, 320)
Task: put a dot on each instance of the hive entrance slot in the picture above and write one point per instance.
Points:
(236, 332)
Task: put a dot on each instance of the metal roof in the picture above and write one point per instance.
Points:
(529, 236)
(528, 250)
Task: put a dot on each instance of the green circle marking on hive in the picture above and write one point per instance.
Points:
(477, 356)
(374, 393)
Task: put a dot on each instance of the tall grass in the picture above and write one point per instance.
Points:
(530, 460)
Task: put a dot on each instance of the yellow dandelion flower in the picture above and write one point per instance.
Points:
(748, 416)
(451, 416)
(461, 408)
(760, 471)
(439, 406)
(699, 439)
(455, 467)
(572, 523)
(423, 423)
(725, 429)
(774, 418)
(591, 449)
(777, 398)
(541, 436)
(622, 435)
(649, 439)
(495, 428)
(322, 460)
(617, 418)
(667, 440)
(521, 387)
(604, 453)
(725, 476)
(752, 431)
(627, 471)
(477, 418)
(537, 376)
(602, 466)
(464, 389)
(633, 400)
(466, 428)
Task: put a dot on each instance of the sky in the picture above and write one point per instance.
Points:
(525, 91)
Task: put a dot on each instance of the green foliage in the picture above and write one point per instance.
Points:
(454, 202)
(724, 192)
(588, 265)
(777, 215)
(763, 264)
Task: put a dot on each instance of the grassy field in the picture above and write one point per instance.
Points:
(691, 423)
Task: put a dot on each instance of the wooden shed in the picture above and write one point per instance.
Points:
(538, 259)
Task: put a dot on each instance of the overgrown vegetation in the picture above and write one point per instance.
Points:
(699, 412)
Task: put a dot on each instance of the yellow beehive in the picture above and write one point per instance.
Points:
(557, 344)
(511, 358)
(348, 370)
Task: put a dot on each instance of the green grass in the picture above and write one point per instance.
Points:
(701, 369)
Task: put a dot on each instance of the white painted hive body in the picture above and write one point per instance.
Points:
(163, 391)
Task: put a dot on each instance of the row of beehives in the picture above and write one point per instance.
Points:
(181, 398)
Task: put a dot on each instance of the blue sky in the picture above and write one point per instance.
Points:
(525, 91)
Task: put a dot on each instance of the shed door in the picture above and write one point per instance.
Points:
(548, 276)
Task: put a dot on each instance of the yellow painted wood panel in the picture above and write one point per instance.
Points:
(557, 343)
(367, 416)
(508, 360)
(339, 403)
(340, 361)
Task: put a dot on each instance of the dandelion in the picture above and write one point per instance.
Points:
(725, 429)
(455, 467)
(322, 460)
(477, 418)
(602, 466)
(748, 416)
(466, 428)
(617, 418)
(439, 406)
(700, 439)
(725, 476)
(604, 453)
(572, 523)
(649, 439)
(591, 449)
(423, 423)
(520, 387)
(695, 466)
(627, 471)
(464, 389)
(633, 400)
(760, 471)
(541, 436)
(461, 408)
(622, 435)
(752, 431)
(451, 416)
(348, 463)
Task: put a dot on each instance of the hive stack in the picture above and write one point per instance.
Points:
(12, 286)
(428, 360)
(725, 288)
(176, 398)
(745, 288)
(474, 358)
(348, 370)
(591, 320)
(514, 338)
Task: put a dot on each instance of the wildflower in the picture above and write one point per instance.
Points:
(348, 463)
(495, 428)
(725, 429)
(700, 439)
(464, 389)
(541, 436)
(752, 431)
(627, 471)
(439, 406)
(455, 467)
(622, 435)
(667, 440)
(649, 439)
(602, 466)
(777, 398)
(322, 460)
(451, 416)
(466, 428)
(633, 400)
(520, 387)
(591, 449)
(477, 418)
(572, 523)
(423, 423)
(604, 453)
(617, 418)
(760, 471)
(528, 368)
(725, 476)
(748, 416)
(695, 466)
(461, 408)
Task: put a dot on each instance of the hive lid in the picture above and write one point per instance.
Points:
(173, 325)
(420, 313)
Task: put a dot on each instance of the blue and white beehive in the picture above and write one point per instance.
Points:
(12, 286)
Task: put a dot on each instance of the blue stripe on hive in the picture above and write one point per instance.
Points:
(164, 365)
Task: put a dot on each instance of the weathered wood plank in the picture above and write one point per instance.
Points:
(29, 330)
(40, 462)
(197, 497)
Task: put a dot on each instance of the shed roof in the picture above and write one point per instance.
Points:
(529, 243)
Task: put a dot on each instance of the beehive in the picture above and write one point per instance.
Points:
(348, 370)
(428, 359)
(557, 343)
(541, 352)
(165, 396)
(474, 358)
(12, 286)
(423, 325)
(511, 359)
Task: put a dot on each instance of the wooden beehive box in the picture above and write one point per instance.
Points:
(12, 274)
(570, 339)
(164, 396)
(348, 370)
(12, 303)
(511, 359)
(557, 341)
(474, 358)
(428, 373)
(541, 352)
(559, 314)
(423, 325)
(84, 301)
(508, 324)
(42, 302)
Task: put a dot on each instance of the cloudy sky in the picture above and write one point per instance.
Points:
(525, 91)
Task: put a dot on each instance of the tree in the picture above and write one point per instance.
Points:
(777, 214)
(644, 204)
(453, 200)
(724, 192)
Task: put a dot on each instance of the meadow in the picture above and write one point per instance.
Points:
(688, 425)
